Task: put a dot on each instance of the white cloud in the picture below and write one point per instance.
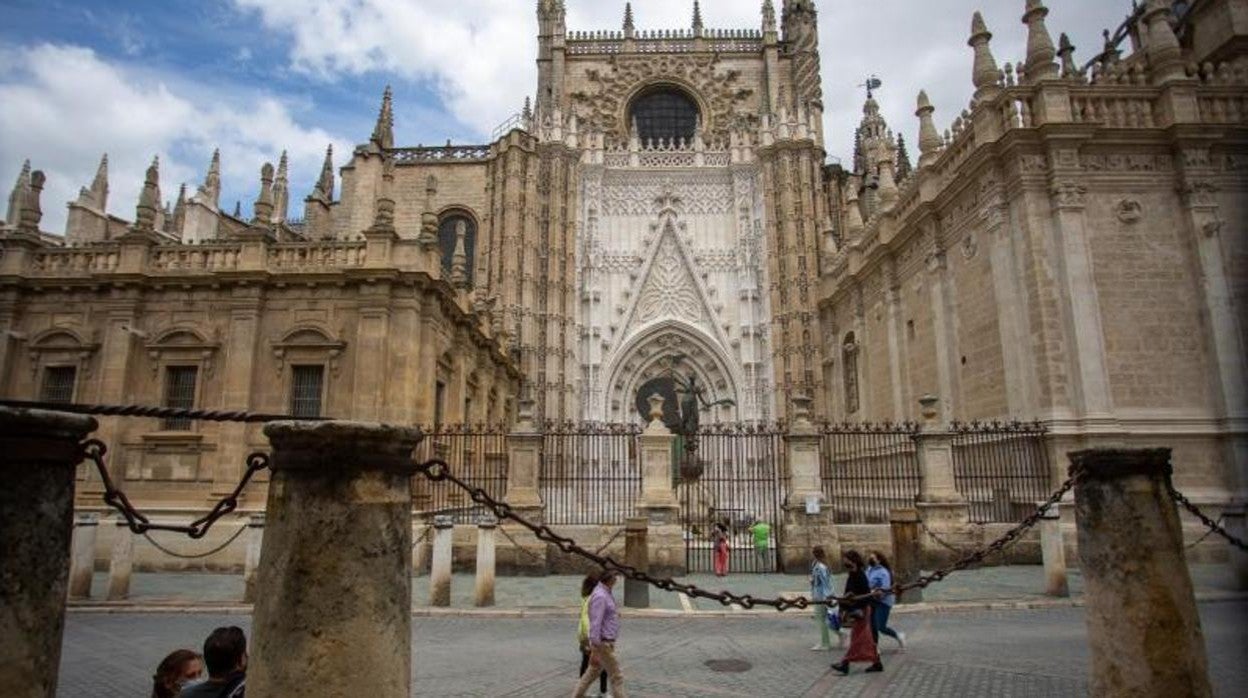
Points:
(480, 53)
(62, 106)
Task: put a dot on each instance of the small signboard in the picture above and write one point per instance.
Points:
(812, 504)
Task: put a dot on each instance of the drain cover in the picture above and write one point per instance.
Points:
(728, 666)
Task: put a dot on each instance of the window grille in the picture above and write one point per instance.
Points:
(58, 384)
(667, 115)
(306, 388)
(180, 393)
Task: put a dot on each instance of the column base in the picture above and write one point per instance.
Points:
(802, 532)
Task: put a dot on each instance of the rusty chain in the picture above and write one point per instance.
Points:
(1207, 533)
(438, 471)
(95, 450)
(158, 412)
(196, 556)
(1209, 523)
(941, 541)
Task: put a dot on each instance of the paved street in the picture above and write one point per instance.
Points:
(962, 655)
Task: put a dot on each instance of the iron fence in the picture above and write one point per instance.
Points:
(1001, 468)
(477, 452)
(868, 468)
(740, 481)
(590, 473)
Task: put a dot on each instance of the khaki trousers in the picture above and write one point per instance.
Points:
(605, 654)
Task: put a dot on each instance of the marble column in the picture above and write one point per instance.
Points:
(1053, 552)
(443, 557)
(483, 593)
(121, 563)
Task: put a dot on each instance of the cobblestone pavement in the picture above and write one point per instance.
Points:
(1019, 582)
(961, 655)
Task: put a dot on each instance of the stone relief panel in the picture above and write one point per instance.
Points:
(634, 194)
(670, 290)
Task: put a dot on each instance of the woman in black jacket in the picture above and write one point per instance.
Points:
(858, 613)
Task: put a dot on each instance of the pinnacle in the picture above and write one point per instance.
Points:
(924, 102)
(978, 26)
(628, 16)
(697, 15)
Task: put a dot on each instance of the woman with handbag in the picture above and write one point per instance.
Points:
(857, 615)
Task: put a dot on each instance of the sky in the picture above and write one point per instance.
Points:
(178, 78)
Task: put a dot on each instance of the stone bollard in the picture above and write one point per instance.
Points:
(907, 551)
(483, 594)
(637, 554)
(1053, 552)
(121, 564)
(82, 563)
(251, 563)
(38, 455)
(443, 556)
(333, 610)
(1233, 522)
(1143, 628)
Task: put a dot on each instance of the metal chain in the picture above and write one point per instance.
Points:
(941, 541)
(424, 534)
(95, 450)
(532, 555)
(438, 471)
(1200, 540)
(157, 412)
(197, 556)
(611, 540)
(1208, 522)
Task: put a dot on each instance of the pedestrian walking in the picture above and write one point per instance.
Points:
(225, 655)
(180, 669)
(604, 630)
(582, 630)
(857, 615)
(820, 590)
(880, 577)
(761, 531)
(720, 548)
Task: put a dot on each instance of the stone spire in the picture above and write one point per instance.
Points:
(383, 210)
(210, 191)
(324, 189)
(149, 199)
(853, 212)
(1109, 52)
(281, 191)
(930, 141)
(1040, 51)
(985, 72)
(698, 26)
(17, 198)
(383, 132)
(238, 210)
(904, 168)
(769, 17)
(1066, 52)
(262, 210)
(32, 212)
(630, 28)
(179, 210)
(459, 258)
(1165, 57)
(429, 218)
(96, 196)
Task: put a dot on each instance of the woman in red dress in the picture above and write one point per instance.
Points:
(861, 645)
(719, 539)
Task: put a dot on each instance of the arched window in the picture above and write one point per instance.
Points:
(450, 228)
(664, 113)
(849, 356)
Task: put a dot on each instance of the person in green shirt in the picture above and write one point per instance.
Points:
(762, 544)
(582, 631)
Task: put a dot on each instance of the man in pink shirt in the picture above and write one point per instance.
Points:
(604, 629)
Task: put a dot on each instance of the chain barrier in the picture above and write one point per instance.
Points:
(1213, 526)
(423, 535)
(941, 541)
(95, 450)
(439, 471)
(610, 540)
(528, 553)
(1200, 540)
(158, 412)
(197, 556)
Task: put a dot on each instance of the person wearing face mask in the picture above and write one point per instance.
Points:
(225, 654)
(880, 577)
(857, 614)
(180, 669)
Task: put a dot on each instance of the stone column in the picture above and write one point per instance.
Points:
(1053, 552)
(524, 453)
(251, 563)
(121, 564)
(38, 456)
(907, 550)
(805, 526)
(443, 554)
(941, 505)
(484, 593)
(82, 563)
(1233, 522)
(334, 608)
(1143, 628)
(657, 500)
(637, 554)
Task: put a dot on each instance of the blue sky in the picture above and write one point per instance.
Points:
(177, 78)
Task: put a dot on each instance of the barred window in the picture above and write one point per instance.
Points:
(180, 393)
(306, 388)
(665, 114)
(58, 384)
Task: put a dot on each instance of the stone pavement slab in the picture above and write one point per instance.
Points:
(963, 655)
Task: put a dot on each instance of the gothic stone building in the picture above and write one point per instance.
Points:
(1071, 249)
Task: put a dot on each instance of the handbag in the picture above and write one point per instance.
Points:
(850, 618)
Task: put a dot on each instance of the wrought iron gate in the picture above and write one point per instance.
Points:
(743, 482)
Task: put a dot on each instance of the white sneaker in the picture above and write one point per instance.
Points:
(819, 648)
(901, 640)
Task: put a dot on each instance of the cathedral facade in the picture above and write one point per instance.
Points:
(1071, 248)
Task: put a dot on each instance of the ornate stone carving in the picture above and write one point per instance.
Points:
(670, 289)
(1129, 211)
(1199, 193)
(634, 194)
(1068, 194)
